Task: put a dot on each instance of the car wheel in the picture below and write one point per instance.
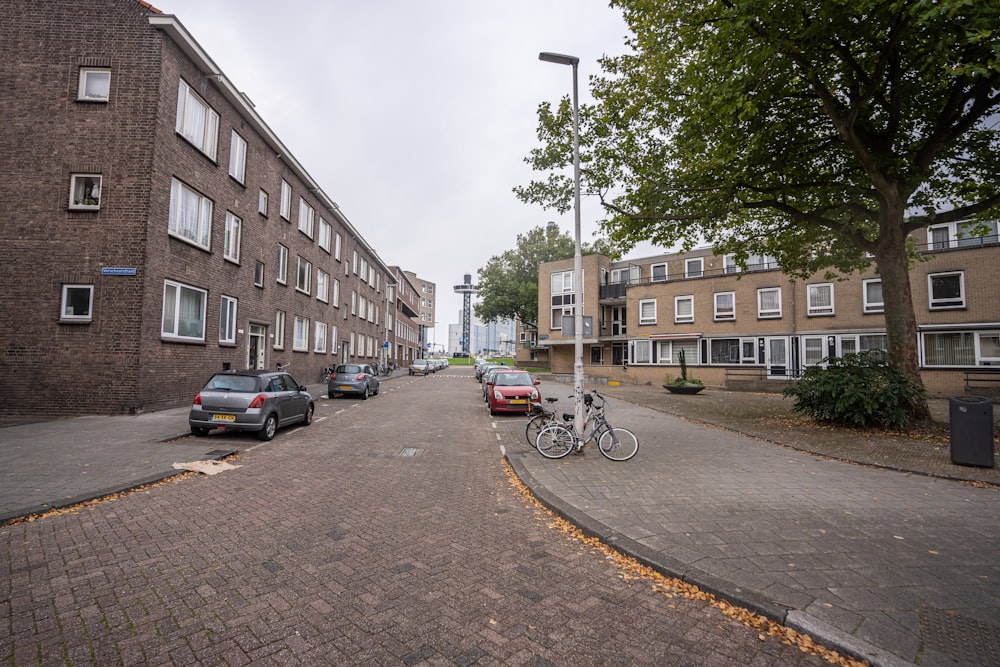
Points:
(377, 387)
(364, 394)
(270, 428)
(308, 418)
(199, 432)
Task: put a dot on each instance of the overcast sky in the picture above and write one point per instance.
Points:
(413, 115)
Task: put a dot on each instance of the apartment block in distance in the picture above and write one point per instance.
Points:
(754, 328)
(155, 229)
(427, 306)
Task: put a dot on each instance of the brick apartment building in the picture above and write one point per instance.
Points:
(154, 228)
(755, 328)
(406, 333)
(427, 314)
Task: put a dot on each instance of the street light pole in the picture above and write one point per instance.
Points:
(561, 59)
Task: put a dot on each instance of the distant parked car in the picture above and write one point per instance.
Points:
(261, 401)
(512, 391)
(420, 367)
(356, 379)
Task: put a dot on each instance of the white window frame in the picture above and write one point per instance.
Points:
(647, 311)
(810, 345)
(300, 334)
(768, 313)
(679, 317)
(173, 308)
(282, 274)
(285, 203)
(262, 198)
(690, 272)
(325, 234)
(85, 191)
(956, 235)
(197, 121)
(641, 352)
(303, 275)
(279, 329)
(307, 217)
(653, 278)
(336, 293)
(946, 303)
(322, 286)
(813, 292)
(227, 319)
(630, 275)
(238, 157)
(562, 297)
(319, 344)
(231, 245)
(67, 307)
(982, 357)
(197, 232)
(258, 273)
(338, 247)
(91, 87)
(723, 312)
(870, 305)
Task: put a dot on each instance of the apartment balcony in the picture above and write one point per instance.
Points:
(613, 293)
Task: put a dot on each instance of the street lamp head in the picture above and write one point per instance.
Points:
(558, 58)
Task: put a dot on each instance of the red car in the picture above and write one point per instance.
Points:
(512, 391)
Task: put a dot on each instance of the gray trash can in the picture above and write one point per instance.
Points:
(971, 420)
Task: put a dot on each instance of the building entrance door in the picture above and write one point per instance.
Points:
(257, 347)
(777, 357)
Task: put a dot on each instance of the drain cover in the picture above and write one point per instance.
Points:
(409, 451)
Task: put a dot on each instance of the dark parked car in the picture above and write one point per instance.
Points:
(261, 401)
(358, 379)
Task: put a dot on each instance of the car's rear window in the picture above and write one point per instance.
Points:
(237, 383)
(513, 379)
(348, 368)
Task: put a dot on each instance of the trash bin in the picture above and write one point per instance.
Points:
(971, 419)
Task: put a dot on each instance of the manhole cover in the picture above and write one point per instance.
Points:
(409, 451)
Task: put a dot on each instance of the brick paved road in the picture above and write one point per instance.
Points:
(386, 533)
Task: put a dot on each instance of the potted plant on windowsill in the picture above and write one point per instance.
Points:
(683, 384)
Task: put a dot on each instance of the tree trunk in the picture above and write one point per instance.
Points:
(900, 314)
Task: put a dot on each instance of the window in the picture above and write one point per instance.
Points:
(85, 192)
(684, 308)
(819, 299)
(183, 312)
(336, 293)
(333, 338)
(238, 157)
(989, 347)
(363, 305)
(258, 274)
(862, 343)
(190, 217)
(872, 293)
(337, 247)
(725, 306)
(769, 302)
(669, 351)
(647, 311)
(303, 275)
(752, 263)
(306, 218)
(642, 352)
(953, 348)
(320, 338)
(962, 234)
(325, 232)
(279, 329)
(947, 290)
(629, 275)
(233, 227)
(95, 84)
(322, 285)
(300, 334)
(227, 320)
(694, 268)
(196, 121)
(354, 262)
(285, 205)
(658, 272)
(354, 302)
(282, 264)
(813, 350)
(77, 303)
(731, 351)
(262, 203)
(563, 298)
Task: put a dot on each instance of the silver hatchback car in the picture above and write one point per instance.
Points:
(358, 379)
(261, 401)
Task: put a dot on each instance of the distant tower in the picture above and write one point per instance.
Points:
(467, 290)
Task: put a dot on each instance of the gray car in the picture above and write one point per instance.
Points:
(356, 379)
(261, 401)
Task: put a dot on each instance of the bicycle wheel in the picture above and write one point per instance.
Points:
(555, 441)
(618, 444)
(535, 426)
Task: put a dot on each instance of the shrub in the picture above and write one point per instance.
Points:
(858, 390)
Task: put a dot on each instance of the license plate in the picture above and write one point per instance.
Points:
(517, 401)
(223, 418)
(346, 387)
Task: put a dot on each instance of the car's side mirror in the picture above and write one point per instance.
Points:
(537, 382)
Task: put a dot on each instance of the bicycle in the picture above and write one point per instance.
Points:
(540, 419)
(615, 443)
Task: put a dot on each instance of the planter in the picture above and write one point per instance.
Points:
(683, 388)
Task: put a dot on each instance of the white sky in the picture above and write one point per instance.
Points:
(413, 115)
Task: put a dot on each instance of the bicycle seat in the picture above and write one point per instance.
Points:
(568, 416)
(551, 399)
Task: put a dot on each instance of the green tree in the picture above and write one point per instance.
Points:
(820, 132)
(508, 284)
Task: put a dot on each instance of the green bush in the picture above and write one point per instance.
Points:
(858, 390)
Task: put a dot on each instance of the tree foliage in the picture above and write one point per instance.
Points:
(819, 132)
(508, 284)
